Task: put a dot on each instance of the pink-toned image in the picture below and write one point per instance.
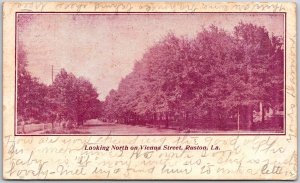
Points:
(150, 73)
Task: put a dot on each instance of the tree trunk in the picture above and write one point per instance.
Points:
(263, 114)
(167, 120)
(221, 122)
(52, 126)
(246, 117)
(79, 120)
(187, 119)
(249, 117)
(23, 127)
(238, 119)
(154, 118)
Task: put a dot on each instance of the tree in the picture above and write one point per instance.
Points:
(75, 99)
(261, 57)
(87, 104)
(217, 77)
(30, 92)
(213, 63)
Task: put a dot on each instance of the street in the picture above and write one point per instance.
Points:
(97, 127)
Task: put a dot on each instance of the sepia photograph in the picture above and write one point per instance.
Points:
(149, 91)
(150, 73)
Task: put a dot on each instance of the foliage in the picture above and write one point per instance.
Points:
(214, 76)
(31, 93)
(69, 98)
(217, 77)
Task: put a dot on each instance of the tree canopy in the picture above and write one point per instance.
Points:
(68, 98)
(213, 76)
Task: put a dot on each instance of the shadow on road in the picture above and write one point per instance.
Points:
(108, 124)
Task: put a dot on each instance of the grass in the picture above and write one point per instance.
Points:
(66, 131)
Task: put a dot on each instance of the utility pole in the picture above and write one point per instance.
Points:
(238, 120)
(52, 73)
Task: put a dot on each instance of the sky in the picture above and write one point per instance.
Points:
(104, 47)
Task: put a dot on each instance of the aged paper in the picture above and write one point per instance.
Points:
(149, 91)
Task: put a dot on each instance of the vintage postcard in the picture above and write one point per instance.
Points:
(160, 91)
